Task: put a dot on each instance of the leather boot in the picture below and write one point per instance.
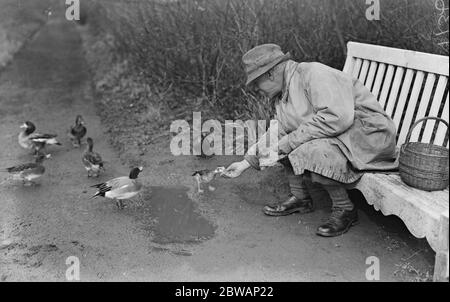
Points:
(339, 222)
(291, 205)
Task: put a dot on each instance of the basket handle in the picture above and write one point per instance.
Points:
(421, 120)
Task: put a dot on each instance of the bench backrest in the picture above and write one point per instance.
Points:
(408, 84)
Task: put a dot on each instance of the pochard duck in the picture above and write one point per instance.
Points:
(124, 187)
(92, 161)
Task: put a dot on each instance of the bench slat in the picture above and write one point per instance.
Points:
(386, 84)
(406, 86)
(400, 57)
(378, 79)
(371, 75)
(356, 68)
(411, 106)
(426, 94)
(394, 90)
(434, 110)
(442, 129)
(364, 71)
(349, 63)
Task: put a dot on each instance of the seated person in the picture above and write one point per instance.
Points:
(331, 128)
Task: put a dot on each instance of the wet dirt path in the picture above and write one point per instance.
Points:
(169, 233)
(48, 83)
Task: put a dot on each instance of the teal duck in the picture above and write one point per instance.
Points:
(206, 176)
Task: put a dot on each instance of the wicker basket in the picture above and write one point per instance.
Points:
(424, 166)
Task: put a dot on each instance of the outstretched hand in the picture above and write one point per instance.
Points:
(236, 169)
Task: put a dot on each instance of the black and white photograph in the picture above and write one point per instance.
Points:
(224, 147)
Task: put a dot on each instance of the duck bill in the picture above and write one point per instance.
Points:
(23, 126)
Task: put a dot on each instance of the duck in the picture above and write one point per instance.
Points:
(206, 176)
(120, 188)
(29, 139)
(77, 132)
(28, 172)
(92, 161)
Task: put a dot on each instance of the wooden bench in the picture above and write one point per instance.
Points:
(409, 85)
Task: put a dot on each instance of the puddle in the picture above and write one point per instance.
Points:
(172, 217)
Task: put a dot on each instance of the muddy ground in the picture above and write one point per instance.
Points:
(169, 233)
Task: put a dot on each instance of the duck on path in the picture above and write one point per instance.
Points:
(77, 131)
(31, 140)
(28, 172)
(92, 161)
(120, 188)
(206, 176)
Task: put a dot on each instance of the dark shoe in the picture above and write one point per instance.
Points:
(339, 222)
(291, 205)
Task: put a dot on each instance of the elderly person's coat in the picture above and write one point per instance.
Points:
(331, 124)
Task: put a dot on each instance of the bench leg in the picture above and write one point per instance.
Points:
(441, 262)
(441, 267)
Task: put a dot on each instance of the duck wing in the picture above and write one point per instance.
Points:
(93, 158)
(78, 131)
(125, 190)
(111, 185)
(22, 168)
(41, 138)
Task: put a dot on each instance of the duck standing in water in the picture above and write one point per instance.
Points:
(29, 171)
(77, 132)
(92, 161)
(31, 140)
(206, 176)
(120, 188)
